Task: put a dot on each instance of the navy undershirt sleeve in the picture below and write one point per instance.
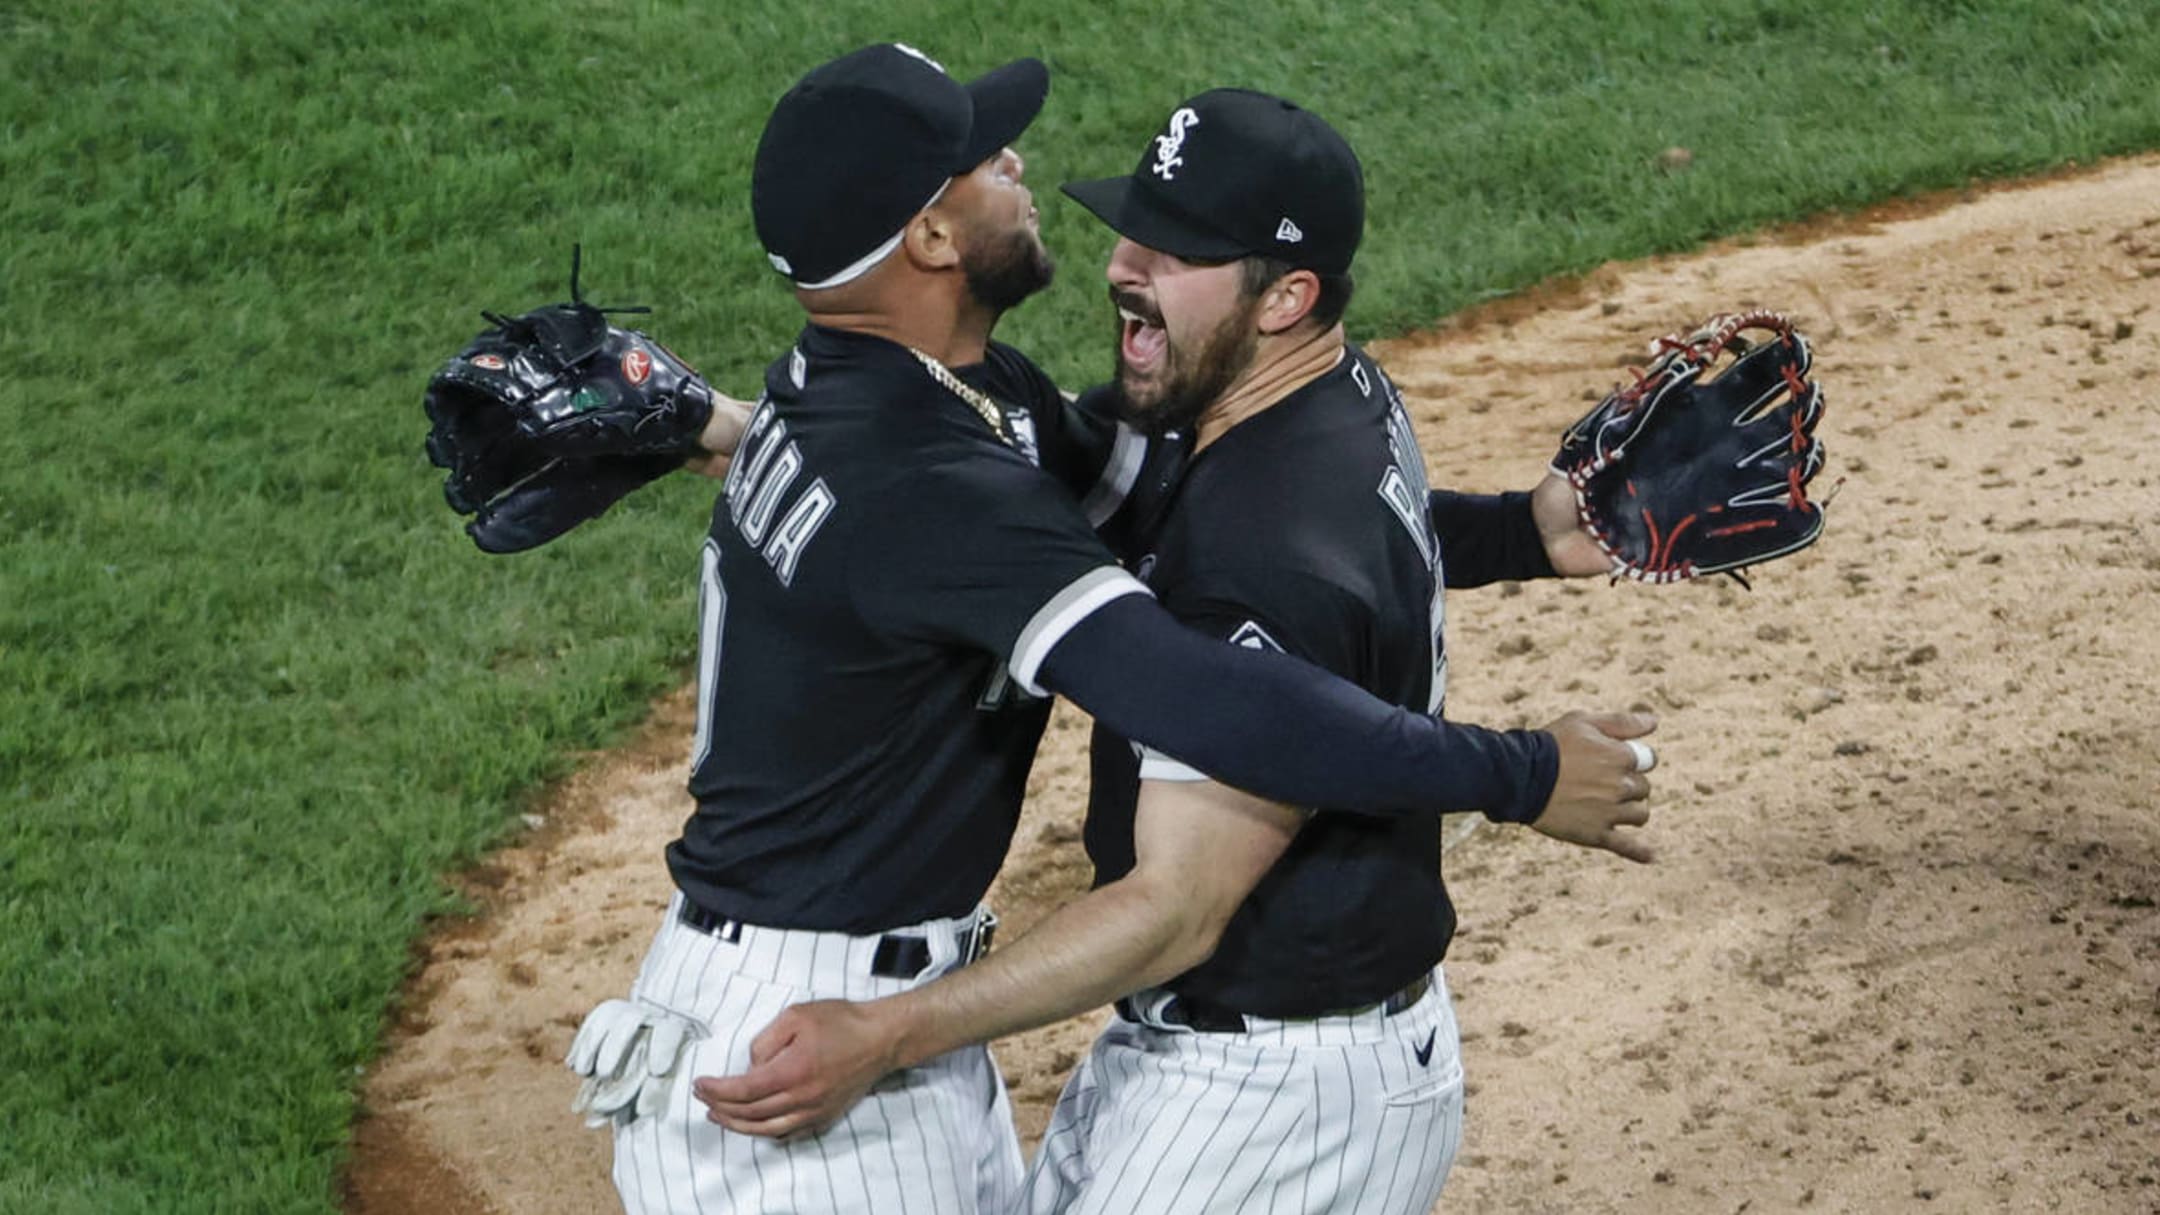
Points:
(1487, 538)
(1284, 729)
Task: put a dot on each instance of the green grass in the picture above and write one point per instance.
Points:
(257, 693)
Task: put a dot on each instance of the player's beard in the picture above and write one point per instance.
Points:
(1006, 267)
(1190, 377)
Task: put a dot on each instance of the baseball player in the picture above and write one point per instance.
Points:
(893, 579)
(1288, 1042)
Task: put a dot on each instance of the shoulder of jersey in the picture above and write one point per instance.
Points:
(1367, 376)
(1316, 477)
(1010, 360)
(897, 428)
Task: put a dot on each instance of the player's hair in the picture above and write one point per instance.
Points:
(1335, 289)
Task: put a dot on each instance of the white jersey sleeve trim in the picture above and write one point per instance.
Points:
(1127, 452)
(1154, 765)
(1065, 609)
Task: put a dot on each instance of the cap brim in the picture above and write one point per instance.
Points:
(1006, 100)
(1140, 217)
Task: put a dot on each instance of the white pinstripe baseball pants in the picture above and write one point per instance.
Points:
(1350, 1115)
(930, 1140)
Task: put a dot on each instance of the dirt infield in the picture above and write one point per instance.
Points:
(1900, 950)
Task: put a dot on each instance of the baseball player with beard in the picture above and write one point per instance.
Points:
(898, 570)
(1285, 1041)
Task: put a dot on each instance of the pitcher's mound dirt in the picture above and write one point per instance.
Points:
(1900, 950)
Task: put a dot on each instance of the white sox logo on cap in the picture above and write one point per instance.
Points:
(1168, 147)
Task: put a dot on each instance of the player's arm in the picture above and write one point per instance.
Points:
(1200, 848)
(1283, 728)
(722, 435)
(967, 551)
(1514, 537)
(1288, 730)
(1101, 456)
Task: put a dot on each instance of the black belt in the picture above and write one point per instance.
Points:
(1207, 1017)
(899, 955)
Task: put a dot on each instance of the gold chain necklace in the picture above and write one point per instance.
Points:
(992, 416)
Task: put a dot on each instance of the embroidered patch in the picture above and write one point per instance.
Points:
(1168, 146)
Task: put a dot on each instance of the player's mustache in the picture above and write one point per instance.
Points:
(1137, 306)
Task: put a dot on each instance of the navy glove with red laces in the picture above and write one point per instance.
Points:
(1701, 465)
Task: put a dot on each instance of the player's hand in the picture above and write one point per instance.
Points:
(807, 1069)
(1600, 789)
(1567, 545)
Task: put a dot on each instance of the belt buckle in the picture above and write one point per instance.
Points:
(977, 941)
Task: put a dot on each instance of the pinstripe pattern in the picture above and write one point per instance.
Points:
(1334, 1115)
(928, 1141)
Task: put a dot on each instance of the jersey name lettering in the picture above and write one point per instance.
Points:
(761, 480)
(1407, 491)
(1404, 486)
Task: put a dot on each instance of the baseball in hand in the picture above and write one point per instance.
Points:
(1645, 758)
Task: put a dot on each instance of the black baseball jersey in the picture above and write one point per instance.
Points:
(1304, 529)
(882, 578)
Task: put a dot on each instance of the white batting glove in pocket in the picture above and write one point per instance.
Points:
(627, 1050)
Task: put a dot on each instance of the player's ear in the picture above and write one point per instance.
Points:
(1287, 300)
(931, 240)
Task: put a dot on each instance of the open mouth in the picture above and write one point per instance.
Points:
(1142, 341)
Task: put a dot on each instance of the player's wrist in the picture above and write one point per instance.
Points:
(723, 427)
(910, 1029)
(1570, 551)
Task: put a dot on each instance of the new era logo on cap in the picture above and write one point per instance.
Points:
(1288, 232)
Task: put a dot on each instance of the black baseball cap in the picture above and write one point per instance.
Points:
(861, 144)
(1235, 173)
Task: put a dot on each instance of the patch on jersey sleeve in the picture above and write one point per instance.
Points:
(1252, 637)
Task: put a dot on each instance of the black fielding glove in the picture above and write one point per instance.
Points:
(546, 419)
(1678, 475)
